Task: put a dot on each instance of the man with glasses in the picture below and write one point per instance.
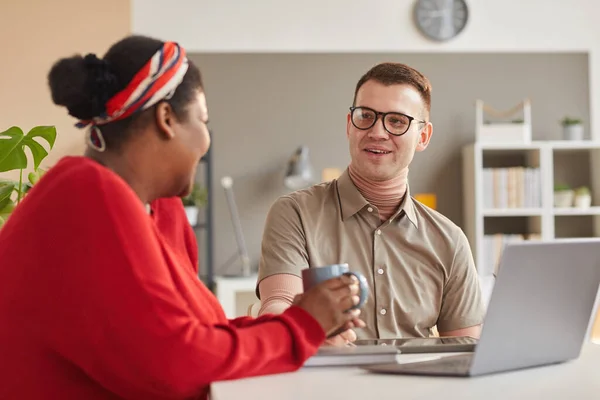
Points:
(418, 263)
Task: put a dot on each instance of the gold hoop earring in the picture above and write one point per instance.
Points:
(95, 139)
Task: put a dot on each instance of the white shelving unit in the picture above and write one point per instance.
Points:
(508, 189)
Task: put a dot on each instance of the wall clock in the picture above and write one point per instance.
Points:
(441, 20)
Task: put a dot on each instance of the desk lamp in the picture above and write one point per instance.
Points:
(299, 171)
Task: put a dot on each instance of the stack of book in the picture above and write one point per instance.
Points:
(513, 187)
(493, 245)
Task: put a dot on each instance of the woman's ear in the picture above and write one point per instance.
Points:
(165, 119)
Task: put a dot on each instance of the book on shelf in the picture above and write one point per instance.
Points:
(512, 187)
(493, 245)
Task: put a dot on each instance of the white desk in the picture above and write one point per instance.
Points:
(579, 379)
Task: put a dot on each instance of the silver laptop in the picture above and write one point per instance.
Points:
(540, 311)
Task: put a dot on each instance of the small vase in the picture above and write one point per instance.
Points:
(563, 198)
(192, 214)
(583, 201)
(573, 132)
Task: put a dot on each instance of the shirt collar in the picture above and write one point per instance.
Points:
(350, 198)
(352, 201)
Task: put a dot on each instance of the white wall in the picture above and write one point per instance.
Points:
(380, 25)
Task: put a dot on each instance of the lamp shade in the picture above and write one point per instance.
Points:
(299, 172)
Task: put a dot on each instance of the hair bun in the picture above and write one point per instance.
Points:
(83, 85)
(102, 82)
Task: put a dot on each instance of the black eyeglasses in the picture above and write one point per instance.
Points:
(394, 123)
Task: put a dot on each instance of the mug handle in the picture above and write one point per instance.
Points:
(363, 289)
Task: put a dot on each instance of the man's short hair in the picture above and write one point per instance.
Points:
(398, 74)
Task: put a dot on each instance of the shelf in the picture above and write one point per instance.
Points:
(595, 210)
(574, 145)
(536, 212)
(538, 144)
(508, 189)
(509, 146)
(512, 212)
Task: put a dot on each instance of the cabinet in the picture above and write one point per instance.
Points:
(508, 194)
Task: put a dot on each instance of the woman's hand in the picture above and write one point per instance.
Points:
(329, 303)
(345, 338)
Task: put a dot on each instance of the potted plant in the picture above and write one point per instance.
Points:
(572, 128)
(583, 198)
(563, 195)
(193, 202)
(13, 157)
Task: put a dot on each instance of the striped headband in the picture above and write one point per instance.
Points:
(156, 81)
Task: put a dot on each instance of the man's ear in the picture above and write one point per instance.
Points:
(425, 136)
(165, 119)
(348, 122)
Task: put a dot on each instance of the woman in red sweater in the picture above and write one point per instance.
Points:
(107, 303)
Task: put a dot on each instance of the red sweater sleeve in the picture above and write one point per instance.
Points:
(243, 322)
(117, 313)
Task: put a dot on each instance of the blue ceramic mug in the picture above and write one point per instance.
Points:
(315, 275)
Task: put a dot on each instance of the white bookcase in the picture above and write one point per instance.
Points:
(508, 194)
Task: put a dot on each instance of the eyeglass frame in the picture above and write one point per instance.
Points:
(383, 115)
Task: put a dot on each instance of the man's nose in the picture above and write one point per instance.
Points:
(378, 131)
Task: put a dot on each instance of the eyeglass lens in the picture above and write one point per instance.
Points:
(395, 123)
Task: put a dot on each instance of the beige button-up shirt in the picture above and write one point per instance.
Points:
(418, 263)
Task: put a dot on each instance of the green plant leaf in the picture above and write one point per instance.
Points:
(12, 155)
(6, 189)
(37, 150)
(35, 176)
(198, 197)
(4, 202)
(47, 133)
(6, 208)
(13, 142)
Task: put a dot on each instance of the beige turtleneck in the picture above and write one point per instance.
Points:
(385, 195)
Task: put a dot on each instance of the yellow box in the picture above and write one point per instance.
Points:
(329, 174)
(429, 199)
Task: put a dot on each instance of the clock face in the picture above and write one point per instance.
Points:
(441, 19)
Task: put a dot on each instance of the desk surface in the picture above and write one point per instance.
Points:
(578, 379)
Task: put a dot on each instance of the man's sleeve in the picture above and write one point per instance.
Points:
(283, 249)
(462, 304)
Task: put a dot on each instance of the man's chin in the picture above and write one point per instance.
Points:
(377, 173)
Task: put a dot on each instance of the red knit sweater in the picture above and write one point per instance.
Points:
(99, 300)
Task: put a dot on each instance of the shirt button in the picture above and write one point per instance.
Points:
(378, 231)
(380, 271)
(370, 209)
(383, 311)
